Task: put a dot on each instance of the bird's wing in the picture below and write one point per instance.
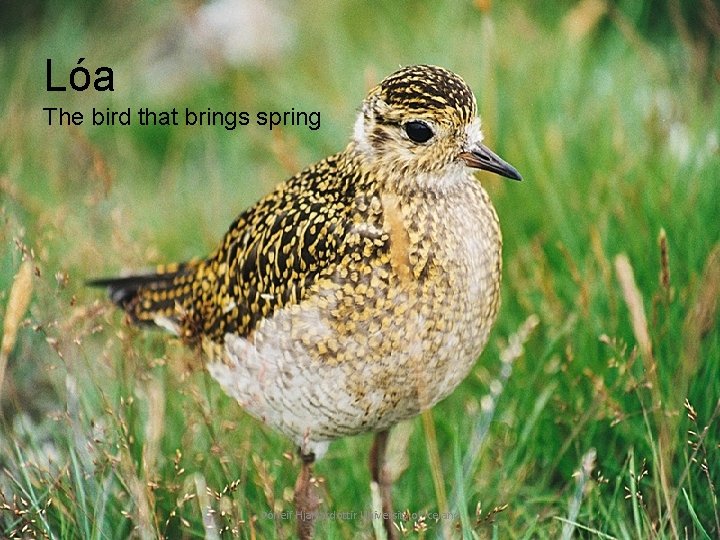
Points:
(268, 259)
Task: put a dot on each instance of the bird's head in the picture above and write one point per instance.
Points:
(419, 128)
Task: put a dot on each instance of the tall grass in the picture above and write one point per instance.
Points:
(594, 412)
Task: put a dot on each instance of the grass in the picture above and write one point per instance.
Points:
(595, 410)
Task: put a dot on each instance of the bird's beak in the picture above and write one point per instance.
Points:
(481, 157)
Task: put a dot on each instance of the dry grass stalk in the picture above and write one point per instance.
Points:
(143, 515)
(664, 266)
(208, 515)
(605, 270)
(377, 524)
(435, 467)
(396, 454)
(701, 318)
(703, 315)
(583, 19)
(583, 299)
(20, 295)
(513, 350)
(153, 428)
(582, 477)
(697, 443)
(634, 301)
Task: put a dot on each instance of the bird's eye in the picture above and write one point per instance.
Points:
(418, 131)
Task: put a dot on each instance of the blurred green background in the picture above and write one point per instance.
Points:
(611, 112)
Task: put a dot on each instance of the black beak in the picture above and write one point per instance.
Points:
(481, 157)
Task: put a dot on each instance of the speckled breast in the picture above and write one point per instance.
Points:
(393, 329)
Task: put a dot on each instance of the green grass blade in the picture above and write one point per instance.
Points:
(694, 516)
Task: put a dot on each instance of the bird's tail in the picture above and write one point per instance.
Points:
(159, 297)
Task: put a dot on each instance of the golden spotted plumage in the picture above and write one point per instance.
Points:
(361, 290)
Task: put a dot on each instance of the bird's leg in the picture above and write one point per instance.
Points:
(381, 476)
(306, 498)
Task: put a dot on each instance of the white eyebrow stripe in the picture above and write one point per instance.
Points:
(473, 132)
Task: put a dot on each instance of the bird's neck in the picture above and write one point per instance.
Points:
(389, 177)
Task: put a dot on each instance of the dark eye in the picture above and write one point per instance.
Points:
(418, 131)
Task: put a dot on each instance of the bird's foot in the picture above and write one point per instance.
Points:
(382, 477)
(306, 499)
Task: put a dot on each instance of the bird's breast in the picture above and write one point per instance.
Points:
(445, 247)
(390, 331)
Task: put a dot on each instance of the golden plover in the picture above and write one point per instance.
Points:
(360, 291)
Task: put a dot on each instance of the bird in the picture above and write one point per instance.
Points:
(359, 292)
